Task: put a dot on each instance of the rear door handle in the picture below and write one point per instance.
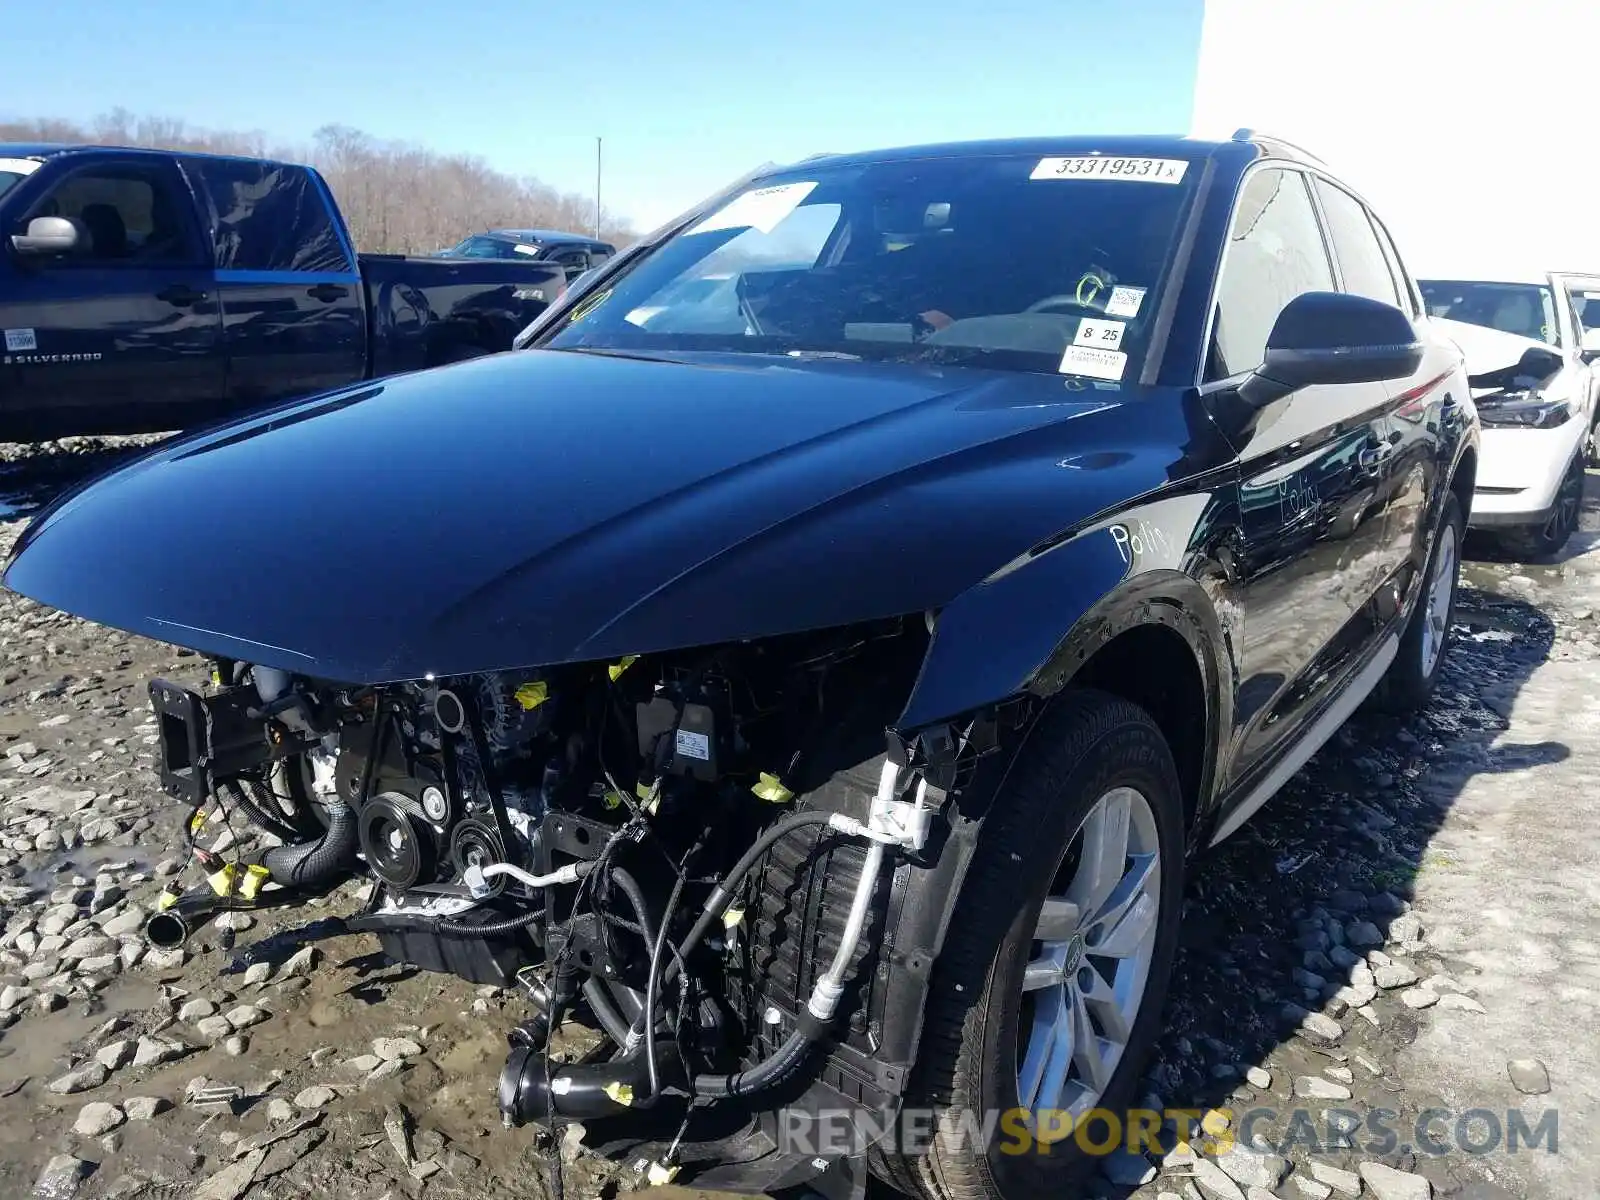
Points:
(328, 292)
(181, 295)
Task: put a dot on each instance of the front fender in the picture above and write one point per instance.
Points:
(1029, 626)
(1027, 630)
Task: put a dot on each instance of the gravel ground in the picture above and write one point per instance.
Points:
(1411, 925)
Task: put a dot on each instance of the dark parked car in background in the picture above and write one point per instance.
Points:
(146, 290)
(821, 680)
(573, 251)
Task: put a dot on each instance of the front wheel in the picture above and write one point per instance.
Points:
(1542, 541)
(1048, 991)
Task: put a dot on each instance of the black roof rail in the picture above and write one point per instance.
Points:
(1246, 134)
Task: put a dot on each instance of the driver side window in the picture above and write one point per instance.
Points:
(1275, 252)
(127, 214)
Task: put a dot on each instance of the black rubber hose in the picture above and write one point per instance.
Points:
(605, 1012)
(780, 1064)
(259, 816)
(722, 895)
(650, 988)
(629, 887)
(491, 928)
(307, 864)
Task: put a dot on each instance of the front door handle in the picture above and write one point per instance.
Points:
(1372, 457)
(328, 292)
(181, 295)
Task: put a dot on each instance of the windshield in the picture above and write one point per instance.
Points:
(1014, 262)
(14, 170)
(1525, 309)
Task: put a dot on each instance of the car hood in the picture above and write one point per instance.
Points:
(541, 507)
(1488, 350)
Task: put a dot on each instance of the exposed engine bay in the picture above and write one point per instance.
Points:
(692, 852)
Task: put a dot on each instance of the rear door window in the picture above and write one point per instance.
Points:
(269, 217)
(1361, 261)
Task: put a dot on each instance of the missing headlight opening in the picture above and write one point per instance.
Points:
(692, 851)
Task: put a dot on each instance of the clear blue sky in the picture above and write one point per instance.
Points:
(687, 94)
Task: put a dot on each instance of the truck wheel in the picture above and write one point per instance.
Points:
(1409, 681)
(1047, 994)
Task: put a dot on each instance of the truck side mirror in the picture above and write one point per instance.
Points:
(48, 235)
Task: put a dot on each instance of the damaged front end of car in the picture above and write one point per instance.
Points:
(697, 853)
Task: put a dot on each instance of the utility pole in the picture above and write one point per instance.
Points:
(597, 189)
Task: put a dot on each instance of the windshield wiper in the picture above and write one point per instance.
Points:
(840, 355)
(608, 352)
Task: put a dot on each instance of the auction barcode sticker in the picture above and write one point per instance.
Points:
(1096, 364)
(1105, 166)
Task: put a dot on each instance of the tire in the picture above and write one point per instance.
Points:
(1088, 748)
(1409, 681)
(1542, 541)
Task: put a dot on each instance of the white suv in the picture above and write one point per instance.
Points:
(1535, 394)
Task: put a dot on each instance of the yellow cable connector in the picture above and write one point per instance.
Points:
(222, 881)
(770, 788)
(733, 918)
(616, 669)
(198, 821)
(650, 794)
(254, 877)
(622, 1093)
(611, 799)
(531, 695)
(660, 1174)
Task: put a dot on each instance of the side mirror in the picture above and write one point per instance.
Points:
(1539, 362)
(48, 235)
(1333, 338)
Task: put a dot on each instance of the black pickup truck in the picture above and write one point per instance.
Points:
(145, 290)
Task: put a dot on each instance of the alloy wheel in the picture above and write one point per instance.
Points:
(1091, 957)
(1437, 601)
(1569, 499)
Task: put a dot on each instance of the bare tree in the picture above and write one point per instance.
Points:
(397, 198)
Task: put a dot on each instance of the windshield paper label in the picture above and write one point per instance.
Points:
(1125, 302)
(763, 209)
(1104, 166)
(1096, 364)
(1103, 335)
(529, 250)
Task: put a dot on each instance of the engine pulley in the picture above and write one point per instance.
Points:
(397, 843)
(476, 844)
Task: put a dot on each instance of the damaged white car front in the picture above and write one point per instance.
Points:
(1535, 398)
